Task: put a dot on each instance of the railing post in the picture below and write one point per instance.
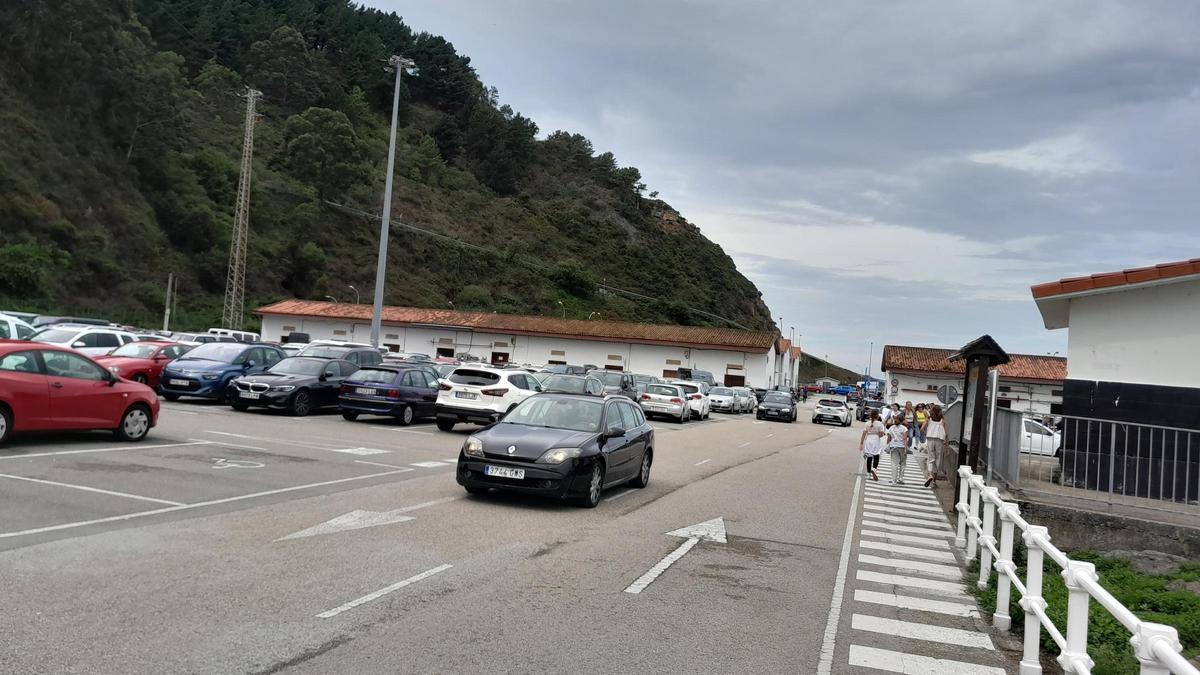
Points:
(1143, 642)
(1004, 566)
(990, 496)
(1031, 663)
(964, 477)
(1077, 615)
(1112, 460)
(973, 519)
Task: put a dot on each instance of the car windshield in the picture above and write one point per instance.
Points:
(224, 352)
(299, 366)
(777, 397)
(720, 391)
(567, 383)
(54, 335)
(135, 350)
(379, 375)
(831, 403)
(558, 413)
(610, 379)
(662, 390)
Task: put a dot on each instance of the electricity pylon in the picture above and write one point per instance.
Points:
(235, 282)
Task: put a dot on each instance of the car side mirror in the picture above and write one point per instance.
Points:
(78, 344)
(248, 364)
(614, 431)
(112, 380)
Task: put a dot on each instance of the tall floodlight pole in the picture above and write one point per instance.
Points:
(399, 64)
(235, 282)
(167, 303)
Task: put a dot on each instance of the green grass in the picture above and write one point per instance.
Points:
(1108, 641)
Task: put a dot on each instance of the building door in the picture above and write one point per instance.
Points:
(735, 380)
(499, 358)
(445, 352)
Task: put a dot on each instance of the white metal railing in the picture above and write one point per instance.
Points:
(1156, 646)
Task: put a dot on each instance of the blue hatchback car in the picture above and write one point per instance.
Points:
(206, 371)
(405, 392)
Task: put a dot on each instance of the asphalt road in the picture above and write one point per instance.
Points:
(195, 551)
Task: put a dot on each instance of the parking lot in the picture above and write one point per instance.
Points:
(207, 456)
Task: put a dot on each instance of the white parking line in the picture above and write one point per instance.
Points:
(282, 441)
(127, 446)
(383, 591)
(227, 444)
(744, 444)
(921, 631)
(619, 495)
(213, 502)
(770, 435)
(703, 461)
(428, 465)
(90, 489)
(402, 469)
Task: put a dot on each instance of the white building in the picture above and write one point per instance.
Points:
(735, 357)
(1132, 342)
(1028, 382)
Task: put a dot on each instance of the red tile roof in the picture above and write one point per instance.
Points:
(936, 360)
(1134, 275)
(796, 353)
(609, 331)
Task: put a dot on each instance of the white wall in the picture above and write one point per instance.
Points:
(1029, 397)
(1140, 336)
(756, 367)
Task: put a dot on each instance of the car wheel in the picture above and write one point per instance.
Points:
(135, 423)
(349, 416)
(406, 416)
(643, 477)
(595, 487)
(445, 423)
(171, 397)
(683, 417)
(141, 379)
(472, 490)
(5, 424)
(301, 404)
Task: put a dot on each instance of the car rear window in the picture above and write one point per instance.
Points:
(776, 397)
(831, 403)
(610, 379)
(374, 375)
(661, 390)
(720, 391)
(688, 388)
(474, 378)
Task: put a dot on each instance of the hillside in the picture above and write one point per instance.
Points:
(120, 144)
(812, 367)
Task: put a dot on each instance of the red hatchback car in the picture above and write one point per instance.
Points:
(48, 388)
(142, 361)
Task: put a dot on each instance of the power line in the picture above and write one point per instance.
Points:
(522, 260)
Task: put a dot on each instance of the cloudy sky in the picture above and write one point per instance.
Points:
(895, 172)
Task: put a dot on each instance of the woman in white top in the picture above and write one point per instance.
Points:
(897, 435)
(935, 435)
(870, 444)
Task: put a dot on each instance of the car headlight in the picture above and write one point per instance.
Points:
(473, 447)
(283, 387)
(114, 369)
(558, 455)
(210, 376)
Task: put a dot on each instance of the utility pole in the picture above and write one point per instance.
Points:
(167, 303)
(399, 64)
(235, 282)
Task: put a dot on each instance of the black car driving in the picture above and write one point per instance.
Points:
(563, 446)
(777, 405)
(865, 407)
(298, 384)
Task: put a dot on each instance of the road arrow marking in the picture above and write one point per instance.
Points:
(222, 463)
(709, 530)
(359, 519)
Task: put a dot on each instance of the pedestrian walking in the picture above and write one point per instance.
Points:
(935, 451)
(897, 437)
(918, 427)
(909, 415)
(870, 443)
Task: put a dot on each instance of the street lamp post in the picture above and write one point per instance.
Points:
(330, 297)
(400, 64)
(355, 293)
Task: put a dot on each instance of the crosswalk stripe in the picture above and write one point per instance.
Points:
(910, 505)
(943, 587)
(872, 509)
(921, 631)
(906, 519)
(907, 550)
(912, 566)
(911, 664)
(927, 531)
(937, 543)
(903, 499)
(916, 489)
(917, 604)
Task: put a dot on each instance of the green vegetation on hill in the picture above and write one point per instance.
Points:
(812, 367)
(120, 147)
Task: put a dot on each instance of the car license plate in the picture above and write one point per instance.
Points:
(249, 394)
(467, 394)
(503, 472)
(178, 383)
(364, 390)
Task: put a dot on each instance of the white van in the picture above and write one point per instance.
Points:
(239, 335)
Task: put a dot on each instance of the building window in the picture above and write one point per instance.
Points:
(614, 357)
(391, 336)
(670, 374)
(289, 329)
(499, 344)
(555, 352)
(556, 363)
(733, 366)
(340, 332)
(1056, 392)
(1004, 388)
(445, 341)
(674, 362)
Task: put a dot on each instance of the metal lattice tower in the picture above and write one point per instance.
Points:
(235, 283)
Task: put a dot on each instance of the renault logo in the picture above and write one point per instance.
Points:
(512, 449)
